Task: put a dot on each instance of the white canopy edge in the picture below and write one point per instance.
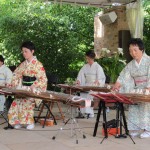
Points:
(95, 3)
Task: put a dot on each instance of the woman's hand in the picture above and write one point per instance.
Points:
(96, 83)
(116, 87)
(35, 90)
(148, 89)
(78, 82)
(8, 85)
(32, 88)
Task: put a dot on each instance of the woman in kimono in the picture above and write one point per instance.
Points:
(29, 75)
(5, 80)
(91, 74)
(136, 75)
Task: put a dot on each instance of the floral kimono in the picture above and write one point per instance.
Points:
(27, 74)
(87, 76)
(5, 78)
(137, 76)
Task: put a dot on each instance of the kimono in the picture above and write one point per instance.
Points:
(137, 76)
(87, 76)
(5, 78)
(22, 109)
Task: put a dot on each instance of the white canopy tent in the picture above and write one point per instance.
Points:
(95, 3)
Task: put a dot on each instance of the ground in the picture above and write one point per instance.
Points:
(41, 138)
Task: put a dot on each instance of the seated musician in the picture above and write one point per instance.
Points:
(91, 74)
(5, 80)
(136, 75)
(29, 75)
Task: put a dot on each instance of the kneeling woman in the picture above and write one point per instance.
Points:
(30, 74)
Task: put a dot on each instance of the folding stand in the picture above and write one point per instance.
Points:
(47, 105)
(73, 126)
(5, 112)
(102, 107)
(119, 115)
(4, 116)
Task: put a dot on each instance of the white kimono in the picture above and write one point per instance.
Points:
(5, 78)
(87, 76)
(137, 76)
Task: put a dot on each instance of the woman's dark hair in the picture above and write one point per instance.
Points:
(12, 68)
(90, 54)
(28, 44)
(138, 42)
(2, 59)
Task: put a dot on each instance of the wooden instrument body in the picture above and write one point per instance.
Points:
(47, 96)
(84, 88)
(67, 98)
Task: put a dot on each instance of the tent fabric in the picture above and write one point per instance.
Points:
(135, 18)
(96, 3)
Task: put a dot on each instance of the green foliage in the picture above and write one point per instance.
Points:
(61, 33)
(112, 64)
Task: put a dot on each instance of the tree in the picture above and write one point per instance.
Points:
(61, 33)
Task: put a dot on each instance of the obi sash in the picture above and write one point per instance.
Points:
(90, 78)
(2, 78)
(28, 81)
(140, 80)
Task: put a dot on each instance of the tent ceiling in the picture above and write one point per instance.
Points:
(96, 3)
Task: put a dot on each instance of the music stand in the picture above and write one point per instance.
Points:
(119, 100)
(5, 111)
(73, 89)
(74, 125)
